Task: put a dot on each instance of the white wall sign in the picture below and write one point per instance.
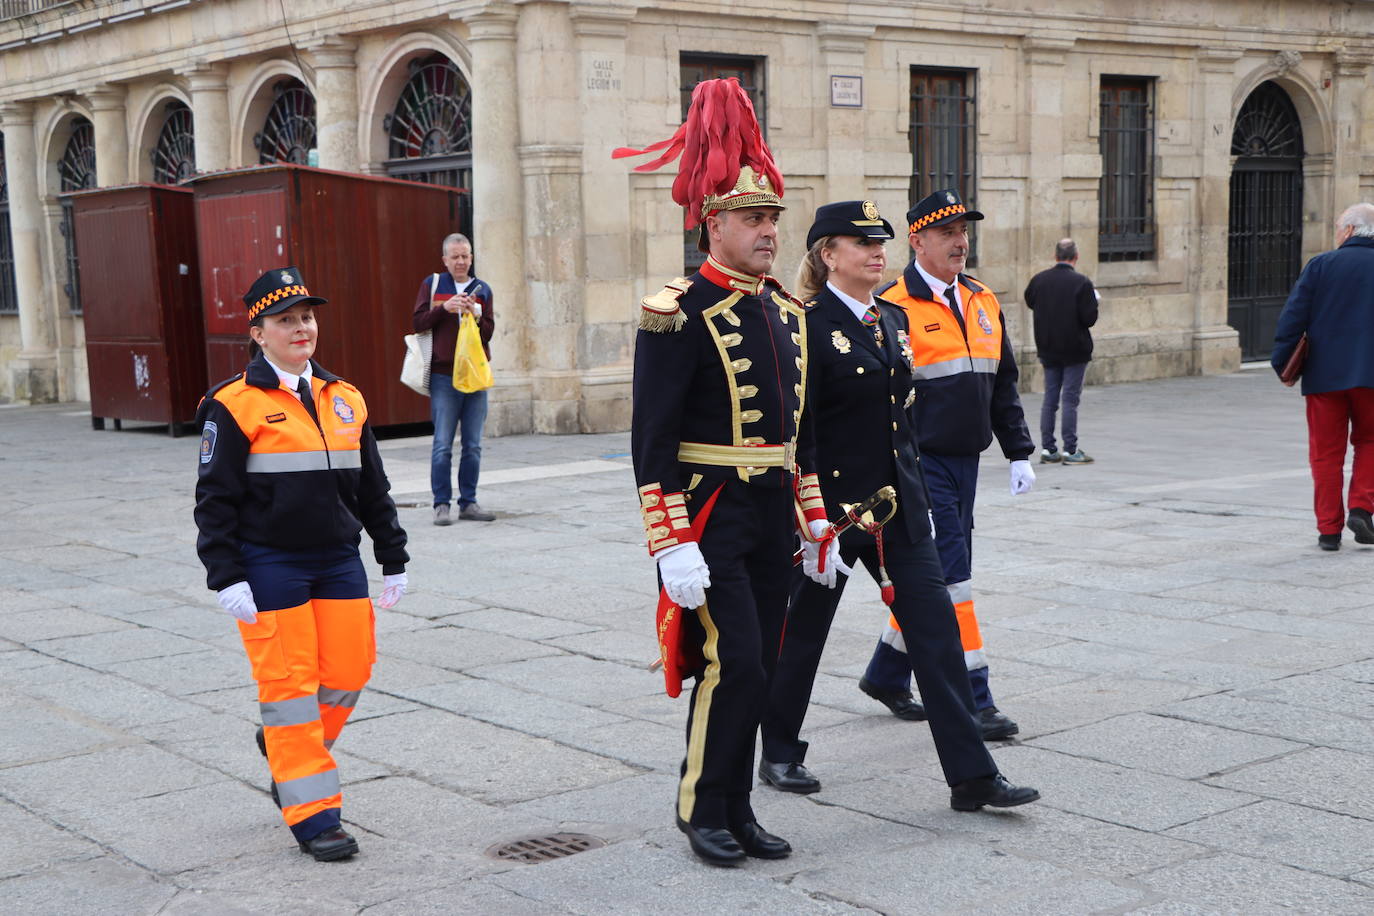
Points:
(847, 91)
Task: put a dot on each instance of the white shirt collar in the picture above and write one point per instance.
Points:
(855, 306)
(938, 286)
(288, 380)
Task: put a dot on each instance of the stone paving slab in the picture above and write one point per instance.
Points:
(1192, 678)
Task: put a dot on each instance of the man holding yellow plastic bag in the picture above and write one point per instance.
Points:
(460, 374)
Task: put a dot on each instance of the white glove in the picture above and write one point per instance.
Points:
(686, 577)
(237, 600)
(811, 557)
(1022, 477)
(393, 587)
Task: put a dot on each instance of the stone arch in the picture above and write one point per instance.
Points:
(56, 129)
(389, 75)
(147, 125)
(250, 109)
(1314, 114)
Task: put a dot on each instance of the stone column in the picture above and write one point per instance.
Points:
(498, 228)
(1216, 345)
(551, 171)
(605, 338)
(1046, 218)
(210, 116)
(1352, 67)
(843, 49)
(336, 102)
(34, 372)
(110, 121)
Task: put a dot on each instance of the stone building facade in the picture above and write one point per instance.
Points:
(1197, 150)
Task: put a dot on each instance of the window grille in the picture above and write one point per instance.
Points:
(9, 296)
(76, 169)
(174, 154)
(430, 130)
(1126, 139)
(288, 133)
(944, 135)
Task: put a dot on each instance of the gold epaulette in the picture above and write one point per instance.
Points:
(660, 313)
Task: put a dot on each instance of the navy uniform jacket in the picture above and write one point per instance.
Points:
(1333, 302)
(860, 395)
(727, 370)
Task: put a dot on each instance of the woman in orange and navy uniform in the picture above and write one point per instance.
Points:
(289, 476)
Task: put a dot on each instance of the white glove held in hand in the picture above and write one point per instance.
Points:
(686, 577)
(237, 600)
(1022, 477)
(811, 557)
(393, 587)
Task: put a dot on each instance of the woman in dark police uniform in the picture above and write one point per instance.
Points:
(289, 477)
(859, 389)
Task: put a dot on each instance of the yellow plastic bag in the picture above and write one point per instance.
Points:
(471, 371)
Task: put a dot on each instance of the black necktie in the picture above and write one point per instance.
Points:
(307, 398)
(953, 301)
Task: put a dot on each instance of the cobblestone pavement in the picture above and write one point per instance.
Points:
(1193, 678)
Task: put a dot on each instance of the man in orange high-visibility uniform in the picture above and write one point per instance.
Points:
(965, 378)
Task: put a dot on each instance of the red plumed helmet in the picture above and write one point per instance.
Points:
(725, 163)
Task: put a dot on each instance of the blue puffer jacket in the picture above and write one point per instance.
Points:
(1333, 302)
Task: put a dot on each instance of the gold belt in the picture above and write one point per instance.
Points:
(739, 456)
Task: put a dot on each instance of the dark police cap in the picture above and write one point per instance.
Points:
(939, 208)
(278, 290)
(849, 217)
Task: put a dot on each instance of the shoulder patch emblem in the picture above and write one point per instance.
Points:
(342, 410)
(207, 441)
(660, 313)
(983, 321)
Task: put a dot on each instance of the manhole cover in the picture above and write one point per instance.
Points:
(536, 849)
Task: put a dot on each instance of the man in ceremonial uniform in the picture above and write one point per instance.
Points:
(719, 378)
(965, 393)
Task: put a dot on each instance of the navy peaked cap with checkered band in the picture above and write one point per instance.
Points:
(939, 208)
(278, 290)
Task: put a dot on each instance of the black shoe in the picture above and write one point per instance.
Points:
(790, 777)
(330, 845)
(994, 791)
(1331, 541)
(759, 843)
(262, 746)
(900, 702)
(1360, 522)
(713, 845)
(995, 724)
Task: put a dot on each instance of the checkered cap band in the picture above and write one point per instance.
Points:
(952, 210)
(276, 295)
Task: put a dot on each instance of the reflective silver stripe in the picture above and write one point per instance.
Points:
(290, 712)
(331, 697)
(308, 788)
(956, 366)
(975, 659)
(942, 370)
(960, 592)
(346, 460)
(286, 462)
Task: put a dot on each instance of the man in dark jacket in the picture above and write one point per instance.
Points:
(1064, 305)
(1333, 304)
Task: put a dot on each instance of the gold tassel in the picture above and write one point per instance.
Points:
(660, 322)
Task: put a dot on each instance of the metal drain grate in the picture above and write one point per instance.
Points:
(536, 849)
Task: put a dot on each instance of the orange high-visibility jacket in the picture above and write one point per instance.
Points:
(270, 475)
(965, 377)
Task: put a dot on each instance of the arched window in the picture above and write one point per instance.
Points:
(9, 298)
(1264, 252)
(174, 154)
(430, 129)
(76, 169)
(288, 134)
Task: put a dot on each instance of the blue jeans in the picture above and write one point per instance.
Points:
(449, 409)
(1065, 381)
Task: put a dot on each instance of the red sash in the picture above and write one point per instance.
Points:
(680, 661)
